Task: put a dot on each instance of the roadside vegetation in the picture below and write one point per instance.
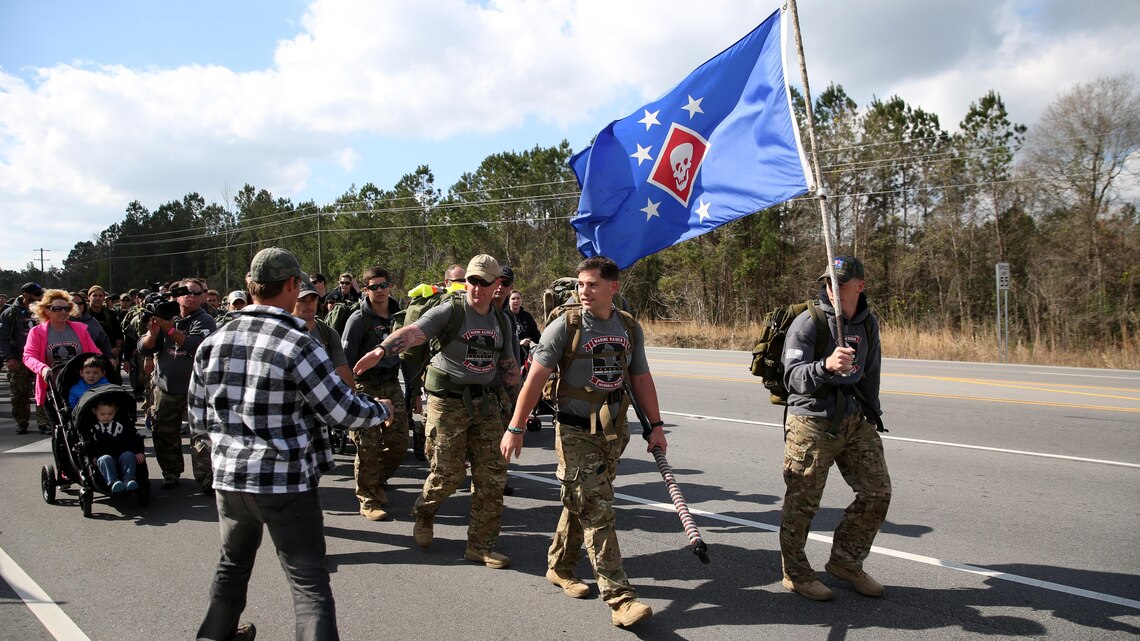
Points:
(928, 206)
(979, 346)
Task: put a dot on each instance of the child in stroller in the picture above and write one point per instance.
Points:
(116, 447)
(92, 374)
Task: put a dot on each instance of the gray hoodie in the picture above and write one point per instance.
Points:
(813, 389)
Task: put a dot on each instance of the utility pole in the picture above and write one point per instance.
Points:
(41, 250)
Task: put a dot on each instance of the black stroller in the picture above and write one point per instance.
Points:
(71, 437)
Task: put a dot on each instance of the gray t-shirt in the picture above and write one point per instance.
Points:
(333, 347)
(607, 341)
(466, 364)
(62, 346)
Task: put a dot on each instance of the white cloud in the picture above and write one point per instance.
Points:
(82, 140)
(347, 159)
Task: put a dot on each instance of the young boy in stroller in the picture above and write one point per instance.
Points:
(95, 443)
(115, 447)
(92, 374)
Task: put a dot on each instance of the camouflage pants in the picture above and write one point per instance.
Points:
(140, 380)
(808, 454)
(200, 464)
(587, 467)
(22, 390)
(380, 450)
(169, 410)
(454, 437)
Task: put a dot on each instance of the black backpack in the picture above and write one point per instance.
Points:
(768, 355)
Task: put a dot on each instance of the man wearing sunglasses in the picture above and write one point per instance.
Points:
(173, 344)
(378, 452)
(463, 419)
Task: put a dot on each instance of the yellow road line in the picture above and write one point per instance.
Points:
(1106, 408)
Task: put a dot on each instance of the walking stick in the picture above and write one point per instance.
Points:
(699, 546)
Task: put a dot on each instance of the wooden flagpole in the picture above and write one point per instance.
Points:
(821, 192)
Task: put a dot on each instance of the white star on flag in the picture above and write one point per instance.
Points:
(703, 210)
(650, 209)
(650, 119)
(642, 154)
(694, 107)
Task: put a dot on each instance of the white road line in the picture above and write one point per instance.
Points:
(37, 447)
(1117, 378)
(1063, 457)
(58, 624)
(918, 558)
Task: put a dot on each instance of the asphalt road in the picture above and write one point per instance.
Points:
(1014, 514)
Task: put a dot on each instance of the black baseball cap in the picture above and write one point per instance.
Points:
(32, 288)
(846, 268)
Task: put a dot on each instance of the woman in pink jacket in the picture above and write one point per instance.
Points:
(56, 340)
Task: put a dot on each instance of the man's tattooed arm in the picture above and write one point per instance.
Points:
(403, 339)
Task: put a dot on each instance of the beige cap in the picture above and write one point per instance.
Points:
(484, 266)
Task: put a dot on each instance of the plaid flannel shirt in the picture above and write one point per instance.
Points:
(265, 392)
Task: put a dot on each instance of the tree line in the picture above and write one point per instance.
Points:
(930, 212)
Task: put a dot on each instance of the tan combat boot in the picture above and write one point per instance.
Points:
(630, 612)
(422, 531)
(570, 584)
(813, 589)
(373, 512)
(493, 560)
(860, 580)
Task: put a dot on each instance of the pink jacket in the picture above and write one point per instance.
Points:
(35, 348)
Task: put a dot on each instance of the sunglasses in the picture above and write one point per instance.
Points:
(506, 282)
(478, 282)
(60, 308)
(194, 293)
(345, 282)
(377, 286)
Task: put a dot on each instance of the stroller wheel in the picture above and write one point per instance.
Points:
(86, 498)
(47, 483)
(533, 424)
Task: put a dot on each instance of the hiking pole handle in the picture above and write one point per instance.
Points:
(700, 548)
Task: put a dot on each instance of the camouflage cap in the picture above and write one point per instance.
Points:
(237, 294)
(484, 266)
(846, 268)
(273, 265)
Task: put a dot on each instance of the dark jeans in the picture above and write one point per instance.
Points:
(296, 525)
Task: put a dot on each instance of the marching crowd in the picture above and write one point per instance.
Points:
(263, 376)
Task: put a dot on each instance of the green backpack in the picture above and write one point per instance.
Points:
(337, 317)
(768, 355)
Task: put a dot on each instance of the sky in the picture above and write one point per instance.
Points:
(104, 103)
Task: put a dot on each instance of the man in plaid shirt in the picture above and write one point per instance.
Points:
(265, 393)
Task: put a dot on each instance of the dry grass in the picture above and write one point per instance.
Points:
(909, 342)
